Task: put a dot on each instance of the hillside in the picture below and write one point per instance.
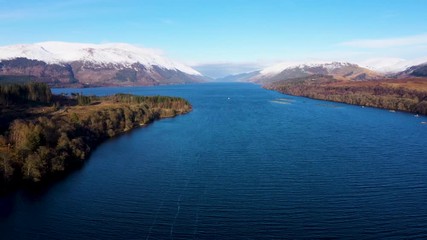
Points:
(415, 71)
(64, 64)
(409, 94)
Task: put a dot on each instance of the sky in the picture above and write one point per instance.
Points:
(223, 37)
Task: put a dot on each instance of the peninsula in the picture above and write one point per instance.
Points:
(44, 136)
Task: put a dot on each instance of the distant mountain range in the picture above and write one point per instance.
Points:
(77, 64)
(63, 64)
(241, 77)
(338, 70)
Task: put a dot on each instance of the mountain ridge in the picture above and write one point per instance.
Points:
(291, 70)
(107, 53)
(79, 64)
(345, 71)
(416, 71)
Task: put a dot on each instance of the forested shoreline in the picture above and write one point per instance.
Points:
(44, 136)
(386, 94)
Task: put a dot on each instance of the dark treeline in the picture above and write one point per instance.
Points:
(379, 95)
(23, 93)
(43, 148)
(159, 101)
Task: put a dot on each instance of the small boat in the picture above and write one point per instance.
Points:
(416, 115)
(392, 111)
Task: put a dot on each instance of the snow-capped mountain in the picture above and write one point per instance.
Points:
(391, 65)
(415, 71)
(289, 70)
(288, 65)
(96, 64)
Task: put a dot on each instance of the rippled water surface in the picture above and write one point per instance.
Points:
(246, 163)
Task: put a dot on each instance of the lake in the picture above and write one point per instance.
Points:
(246, 163)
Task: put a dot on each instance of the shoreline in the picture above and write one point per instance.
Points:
(362, 106)
(376, 94)
(39, 150)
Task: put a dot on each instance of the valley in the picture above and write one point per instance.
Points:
(204, 120)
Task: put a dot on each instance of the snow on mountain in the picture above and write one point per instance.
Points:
(102, 54)
(380, 65)
(291, 70)
(280, 67)
(386, 65)
(391, 65)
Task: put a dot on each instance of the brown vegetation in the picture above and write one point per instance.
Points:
(408, 95)
(48, 140)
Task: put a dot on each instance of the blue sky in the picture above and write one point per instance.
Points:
(232, 33)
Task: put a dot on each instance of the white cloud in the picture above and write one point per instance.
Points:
(387, 42)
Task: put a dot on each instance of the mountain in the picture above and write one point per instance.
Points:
(242, 77)
(391, 66)
(291, 70)
(415, 71)
(78, 64)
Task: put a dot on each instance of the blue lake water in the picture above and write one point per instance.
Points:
(246, 163)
